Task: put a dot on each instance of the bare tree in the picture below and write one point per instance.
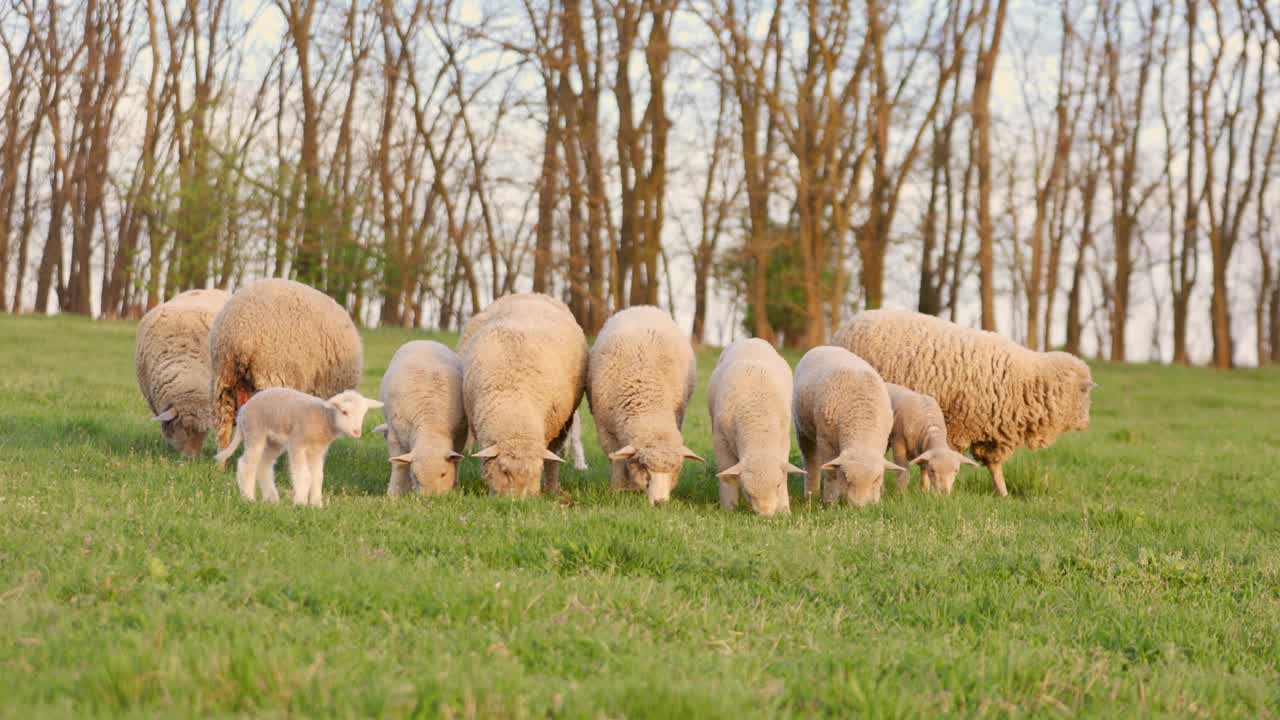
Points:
(988, 52)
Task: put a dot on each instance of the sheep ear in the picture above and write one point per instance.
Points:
(835, 463)
(690, 455)
(166, 416)
(404, 459)
(623, 453)
(551, 457)
(789, 468)
(922, 458)
(733, 471)
(454, 456)
(489, 452)
(382, 429)
(372, 404)
(966, 460)
(892, 466)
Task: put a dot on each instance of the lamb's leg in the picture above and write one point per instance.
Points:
(617, 468)
(575, 443)
(729, 493)
(316, 467)
(248, 468)
(267, 474)
(725, 459)
(833, 488)
(299, 475)
(900, 458)
(812, 466)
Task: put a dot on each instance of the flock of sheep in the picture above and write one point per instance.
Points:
(255, 366)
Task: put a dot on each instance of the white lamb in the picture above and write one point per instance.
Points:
(426, 427)
(920, 436)
(279, 420)
(749, 398)
(843, 419)
(640, 375)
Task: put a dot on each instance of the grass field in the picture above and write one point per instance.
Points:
(1135, 569)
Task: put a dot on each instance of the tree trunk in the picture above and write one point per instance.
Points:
(982, 128)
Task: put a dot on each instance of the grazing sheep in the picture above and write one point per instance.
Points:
(995, 395)
(843, 419)
(171, 355)
(279, 420)
(280, 333)
(640, 376)
(426, 428)
(749, 398)
(524, 369)
(920, 436)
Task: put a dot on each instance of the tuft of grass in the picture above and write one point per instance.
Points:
(1135, 570)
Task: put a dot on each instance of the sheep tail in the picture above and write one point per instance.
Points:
(230, 450)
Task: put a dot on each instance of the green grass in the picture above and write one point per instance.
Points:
(1134, 570)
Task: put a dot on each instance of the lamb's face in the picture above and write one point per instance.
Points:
(938, 469)
(766, 490)
(349, 408)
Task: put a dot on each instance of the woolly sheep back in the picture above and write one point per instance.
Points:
(280, 333)
(421, 394)
(640, 375)
(524, 371)
(171, 357)
(996, 396)
(749, 400)
(843, 418)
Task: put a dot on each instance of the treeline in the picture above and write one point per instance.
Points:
(415, 158)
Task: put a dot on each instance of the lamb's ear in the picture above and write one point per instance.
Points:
(789, 468)
(835, 463)
(166, 416)
(372, 404)
(489, 452)
(623, 453)
(733, 471)
(888, 465)
(404, 459)
(923, 457)
(454, 456)
(552, 457)
(382, 430)
(690, 455)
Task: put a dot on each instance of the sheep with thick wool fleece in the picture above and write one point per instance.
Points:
(426, 426)
(171, 357)
(640, 376)
(749, 400)
(280, 333)
(996, 396)
(919, 437)
(524, 371)
(843, 419)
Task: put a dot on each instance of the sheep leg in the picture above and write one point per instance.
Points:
(401, 482)
(900, 458)
(551, 477)
(316, 468)
(812, 466)
(267, 474)
(299, 475)
(729, 493)
(997, 477)
(725, 459)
